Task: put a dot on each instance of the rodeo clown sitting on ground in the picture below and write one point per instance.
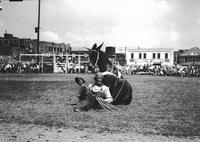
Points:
(95, 96)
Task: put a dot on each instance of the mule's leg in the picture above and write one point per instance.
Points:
(82, 93)
(81, 99)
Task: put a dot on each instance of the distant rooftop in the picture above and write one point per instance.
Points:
(150, 49)
(79, 49)
(191, 52)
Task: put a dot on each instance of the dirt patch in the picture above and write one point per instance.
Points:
(11, 132)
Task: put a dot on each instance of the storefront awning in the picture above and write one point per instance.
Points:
(191, 63)
(157, 63)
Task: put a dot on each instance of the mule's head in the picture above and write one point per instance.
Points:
(98, 58)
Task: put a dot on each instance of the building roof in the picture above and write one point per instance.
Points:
(195, 51)
(150, 49)
(79, 49)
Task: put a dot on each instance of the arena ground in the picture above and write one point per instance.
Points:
(39, 108)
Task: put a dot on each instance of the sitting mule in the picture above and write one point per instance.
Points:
(120, 89)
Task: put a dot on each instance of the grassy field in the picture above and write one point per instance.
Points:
(161, 105)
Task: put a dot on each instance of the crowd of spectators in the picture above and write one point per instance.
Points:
(175, 70)
(28, 67)
(17, 67)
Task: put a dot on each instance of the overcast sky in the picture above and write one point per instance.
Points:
(131, 23)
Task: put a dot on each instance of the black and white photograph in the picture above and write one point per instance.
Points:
(99, 70)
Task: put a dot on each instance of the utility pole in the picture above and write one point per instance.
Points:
(37, 30)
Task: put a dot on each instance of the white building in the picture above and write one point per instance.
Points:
(151, 56)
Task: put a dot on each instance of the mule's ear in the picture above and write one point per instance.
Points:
(94, 46)
(99, 47)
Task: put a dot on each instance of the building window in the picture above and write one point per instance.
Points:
(132, 55)
(158, 55)
(22, 42)
(15, 42)
(154, 55)
(140, 55)
(166, 55)
(145, 55)
(5, 42)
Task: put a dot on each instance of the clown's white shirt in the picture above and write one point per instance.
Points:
(103, 89)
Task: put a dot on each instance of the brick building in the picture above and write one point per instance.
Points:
(14, 46)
